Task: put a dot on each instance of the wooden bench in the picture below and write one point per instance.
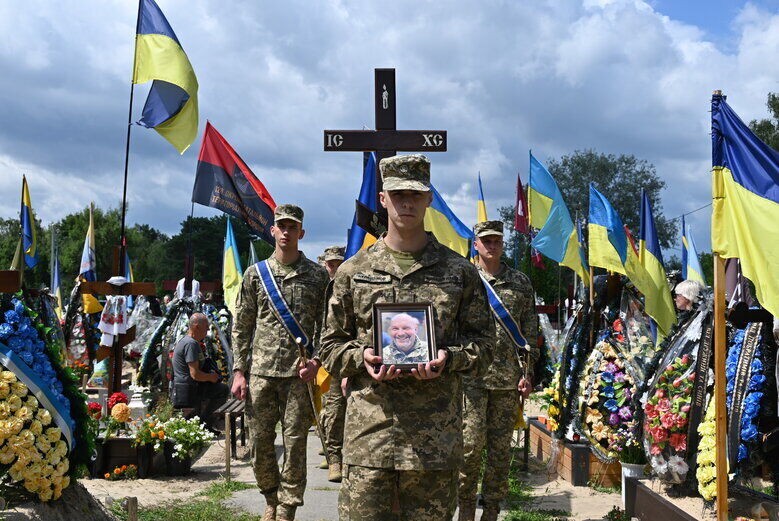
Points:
(234, 408)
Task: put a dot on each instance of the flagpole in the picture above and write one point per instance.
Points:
(719, 388)
(122, 237)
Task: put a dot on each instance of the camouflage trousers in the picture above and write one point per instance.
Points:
(372, 494)
(489, 418)
(332, 419)
(269, 401)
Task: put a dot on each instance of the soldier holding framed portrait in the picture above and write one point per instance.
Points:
(403, 433)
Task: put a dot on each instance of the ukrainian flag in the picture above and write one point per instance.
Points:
(558, 238)
(447, 228)
(746, 201)
(359, 238)
(56, 285)
(29, 238)
(607, 240)
(232, 273)
(128, 275)
(171, 107)
(87, 270)
(658, 302)
(481, 206)
(691, 265)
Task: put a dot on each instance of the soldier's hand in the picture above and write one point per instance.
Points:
(525, 386)
(239, 385)
(307, 370)
(432, 369)
(384, 372)
(344, 383)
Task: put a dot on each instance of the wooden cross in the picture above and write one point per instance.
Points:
(385, 141)
(116, 351)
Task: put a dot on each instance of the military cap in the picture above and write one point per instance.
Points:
(288, 211)
(333, 253)
(409, 172)
(488, 228)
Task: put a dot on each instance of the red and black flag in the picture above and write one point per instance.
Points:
(223, 181)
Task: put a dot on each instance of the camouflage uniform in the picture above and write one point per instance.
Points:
(491, 402)
(392, 354)
(267, 354)
(333, 412)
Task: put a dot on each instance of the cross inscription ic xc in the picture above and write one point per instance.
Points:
(385, 141)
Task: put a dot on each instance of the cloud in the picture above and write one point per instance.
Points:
(500, 77)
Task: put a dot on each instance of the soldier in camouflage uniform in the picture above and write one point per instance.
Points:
(492, 401)
(403, 433)
(269, 358)
(333, 401)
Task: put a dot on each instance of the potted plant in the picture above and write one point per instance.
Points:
(631, 456)
(147, 434)
(183, 441)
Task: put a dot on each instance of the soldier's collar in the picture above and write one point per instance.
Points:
(431, 254)
(302, 265)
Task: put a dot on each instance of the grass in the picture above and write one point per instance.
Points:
(520, 498)
(606, 490)
(205, 506)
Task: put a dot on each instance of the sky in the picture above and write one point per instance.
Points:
(617, 76)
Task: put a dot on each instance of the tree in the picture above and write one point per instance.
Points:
(768, 129)
(621, 179)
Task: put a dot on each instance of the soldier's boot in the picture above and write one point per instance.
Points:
(490, 512)
(323, 465)
(467, 511)
(334, 474)
(285, 513)
(270, 508)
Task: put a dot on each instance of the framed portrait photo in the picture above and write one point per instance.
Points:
(404, 334)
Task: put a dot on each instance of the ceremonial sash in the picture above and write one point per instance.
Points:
(503, 315)
(279, 305)
(38, 388)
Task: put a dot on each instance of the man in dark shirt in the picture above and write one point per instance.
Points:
(192, 386)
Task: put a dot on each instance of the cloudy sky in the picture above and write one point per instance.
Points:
(501, 76)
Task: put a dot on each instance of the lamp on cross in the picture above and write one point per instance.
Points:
(385, 141)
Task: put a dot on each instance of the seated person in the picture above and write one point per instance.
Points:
(194, 385)
(405, 346)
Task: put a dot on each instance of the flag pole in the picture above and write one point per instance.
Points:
(719, 388)
(122, 236)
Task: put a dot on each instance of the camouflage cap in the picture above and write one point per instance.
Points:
(409, 172)
(288, 211)
(488, 228)
(333, 253)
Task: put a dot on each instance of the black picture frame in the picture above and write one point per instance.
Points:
(383, 341)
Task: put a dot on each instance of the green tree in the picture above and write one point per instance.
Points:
(768, 129)
(621, 179)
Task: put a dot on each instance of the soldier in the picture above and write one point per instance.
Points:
(269, 372)
(492, 401)
(333, 401)
(403, 433)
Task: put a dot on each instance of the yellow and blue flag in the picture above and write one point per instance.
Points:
(745, 194)
(171, 107)
(232, 273)
(557, 238)
(447, 228)
(29, 237)
(56, 284)
(88, 268)
(658, 303)
(481, 206)
(359, 238)
(691, 264)
(607, 241)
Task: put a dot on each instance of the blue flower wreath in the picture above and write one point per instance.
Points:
(754, 394)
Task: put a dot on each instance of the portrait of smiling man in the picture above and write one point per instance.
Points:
(405, 347)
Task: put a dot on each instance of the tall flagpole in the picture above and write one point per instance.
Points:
(122, 237)
(720, 383)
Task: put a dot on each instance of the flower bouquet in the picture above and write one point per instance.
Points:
(667, 413)
(46, 435)
(605, 402)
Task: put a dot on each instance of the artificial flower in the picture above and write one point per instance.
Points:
(705, 474)
(120, 412)
(677, 465)
(707, 457)
(600, 431)
(678, 441)
(611, 405)
(659, 465)
(593, 415)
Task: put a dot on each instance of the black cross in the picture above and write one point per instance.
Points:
(385, 141)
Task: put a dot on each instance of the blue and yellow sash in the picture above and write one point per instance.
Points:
(503, 315)
(279, 305)
(39, 389)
